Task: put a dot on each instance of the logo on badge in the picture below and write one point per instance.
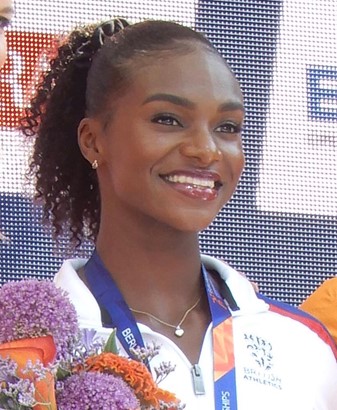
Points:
(261, 350)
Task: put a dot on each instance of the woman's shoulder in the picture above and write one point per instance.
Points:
(68, 279)
(268, 313)
(241, 290)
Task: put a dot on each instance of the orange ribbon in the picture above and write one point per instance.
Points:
(34, 349)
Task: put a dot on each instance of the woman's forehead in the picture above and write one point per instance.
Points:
(199, 70)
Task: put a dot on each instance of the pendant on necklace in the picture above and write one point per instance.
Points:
(179, 331)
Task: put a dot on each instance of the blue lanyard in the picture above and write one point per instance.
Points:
(111, 301)
(225, 396)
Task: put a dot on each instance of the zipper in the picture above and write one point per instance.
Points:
(198, 382)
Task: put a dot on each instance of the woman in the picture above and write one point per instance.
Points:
(6, 14)
(138, 146)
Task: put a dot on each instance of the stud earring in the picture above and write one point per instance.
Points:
(94, 164)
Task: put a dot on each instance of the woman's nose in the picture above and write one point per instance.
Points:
(201, 146)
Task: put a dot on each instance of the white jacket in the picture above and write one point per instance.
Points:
(280, 362)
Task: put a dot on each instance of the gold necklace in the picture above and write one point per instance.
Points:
(178, 330)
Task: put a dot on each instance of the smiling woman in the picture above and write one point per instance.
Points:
(6, 14)
(138, 146)
(164, 158)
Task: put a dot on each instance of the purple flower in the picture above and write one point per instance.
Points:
(95, 391)
(8, 369)
(15, 393)
(90, 343)
(33, 308)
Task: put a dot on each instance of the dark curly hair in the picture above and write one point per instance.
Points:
(92, 65)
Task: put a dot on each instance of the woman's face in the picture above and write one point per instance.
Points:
(6, 14)
(172, 152)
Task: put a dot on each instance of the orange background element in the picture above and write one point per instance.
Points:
(25, 50)
(322, 305)
(223, 348)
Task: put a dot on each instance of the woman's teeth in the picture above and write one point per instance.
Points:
(183, 179)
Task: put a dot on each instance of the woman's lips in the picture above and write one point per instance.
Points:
(201, 185)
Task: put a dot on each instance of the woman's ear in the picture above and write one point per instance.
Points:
(88, 137)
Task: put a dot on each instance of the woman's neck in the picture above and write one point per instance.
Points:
(162, 265)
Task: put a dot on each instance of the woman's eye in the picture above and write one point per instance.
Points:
(4, 22)
(166, 120)
(230, 128)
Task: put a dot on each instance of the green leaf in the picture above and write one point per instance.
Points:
(61, 373)
(111, 345)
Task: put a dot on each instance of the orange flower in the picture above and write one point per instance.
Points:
(34, 349)
(135, 374)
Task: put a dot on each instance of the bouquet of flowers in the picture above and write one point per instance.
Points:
(47, 362)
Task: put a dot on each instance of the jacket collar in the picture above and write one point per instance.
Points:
(241, 289)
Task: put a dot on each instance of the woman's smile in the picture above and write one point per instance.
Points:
(197, 185)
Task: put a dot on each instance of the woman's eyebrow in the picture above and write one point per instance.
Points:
(231, 106)
(174, 99)
(184, 102)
